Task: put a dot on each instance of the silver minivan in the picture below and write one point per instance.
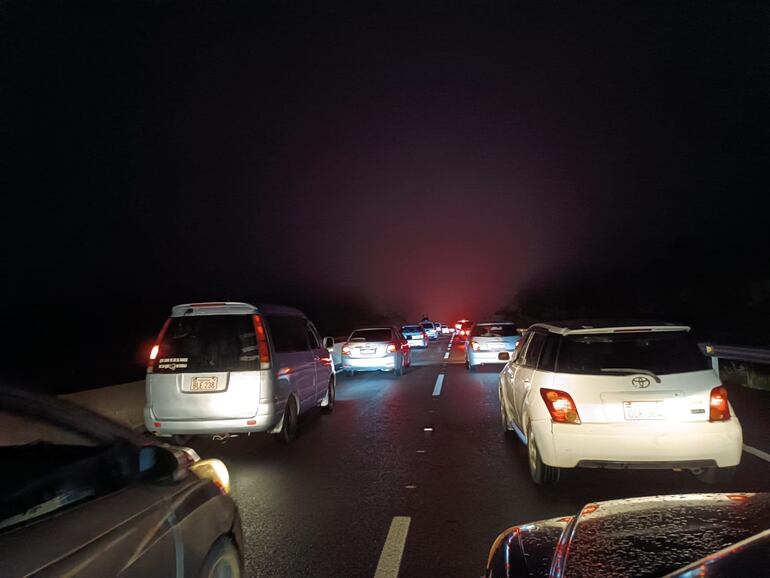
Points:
(226, 368)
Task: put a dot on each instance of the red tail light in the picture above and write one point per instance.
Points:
(392, 348)
(475, 345)
(719, 409)
(346, 350)
(156, 347)
(262, 347)
(560, 406)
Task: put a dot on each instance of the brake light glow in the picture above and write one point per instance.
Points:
(262, 347)
(719, 409)
(391, 348)
(560, 406)
(156, 348)
(475, 345)
(346, 350)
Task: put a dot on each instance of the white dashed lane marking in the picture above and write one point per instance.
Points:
(393, 550)
(439, 383)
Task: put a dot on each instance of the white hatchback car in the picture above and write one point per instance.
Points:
(618, 395)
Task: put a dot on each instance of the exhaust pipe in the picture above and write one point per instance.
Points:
(223, 437)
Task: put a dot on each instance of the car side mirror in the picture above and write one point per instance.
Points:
(329, 343)
(504, 356)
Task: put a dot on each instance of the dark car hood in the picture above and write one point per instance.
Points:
(633, 537)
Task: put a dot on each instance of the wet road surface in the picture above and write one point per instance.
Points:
(323, 505)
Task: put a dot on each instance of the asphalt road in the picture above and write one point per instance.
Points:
(323, 505)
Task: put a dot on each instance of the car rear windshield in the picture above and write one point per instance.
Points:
(371, 335)
(427, 325)
(499, 330)
(659, 352)
(208, 343)
(412, 328)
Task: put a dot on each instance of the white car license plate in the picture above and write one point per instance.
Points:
(204, 384)
(367, 350)
(496, 346)
(638, 410)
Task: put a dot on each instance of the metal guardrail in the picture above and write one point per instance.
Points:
(734, 353)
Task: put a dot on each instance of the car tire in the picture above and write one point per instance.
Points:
(471, 368)
(715, 475)
(289, 425)
(541, 473)
(331, 393)
(222, 561)
(398, 371)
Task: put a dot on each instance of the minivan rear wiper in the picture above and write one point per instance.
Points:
(630, 370)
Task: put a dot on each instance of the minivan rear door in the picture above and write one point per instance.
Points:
(207, 367)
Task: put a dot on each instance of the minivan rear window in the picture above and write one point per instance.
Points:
(371, 335)
(208, 343)
(659, 352)
(499, 330)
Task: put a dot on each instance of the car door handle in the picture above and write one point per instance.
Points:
(526, 380)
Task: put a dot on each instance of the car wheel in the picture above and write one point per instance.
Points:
(471, 368)
(714, 475)
(222, 561)
(328, 403)
(289, 427)
(540, 472)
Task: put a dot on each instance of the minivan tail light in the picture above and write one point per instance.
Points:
(156, 348)
(262, 348)
(719, 409)
(560, 406)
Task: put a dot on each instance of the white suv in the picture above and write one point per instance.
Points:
(618, 395)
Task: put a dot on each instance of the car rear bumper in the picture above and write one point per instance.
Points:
(265, 420)
(640, 446)
(479, 357)
(417, 344)
(369, 363)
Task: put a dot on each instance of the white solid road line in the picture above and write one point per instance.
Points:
(439, 383)
(393, 550)
(446, 355)
(755, 452)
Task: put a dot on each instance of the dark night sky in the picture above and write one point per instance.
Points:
(435, 159)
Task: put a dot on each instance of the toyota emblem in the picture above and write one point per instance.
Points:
(640, 382)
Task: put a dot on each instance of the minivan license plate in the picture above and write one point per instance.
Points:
(637, 410)
(204, 384)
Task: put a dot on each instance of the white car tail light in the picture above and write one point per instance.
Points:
(262, 347)
(156, 347)
(560, 406)
(719, 409)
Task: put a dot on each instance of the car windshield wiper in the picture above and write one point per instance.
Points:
(630, 370)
